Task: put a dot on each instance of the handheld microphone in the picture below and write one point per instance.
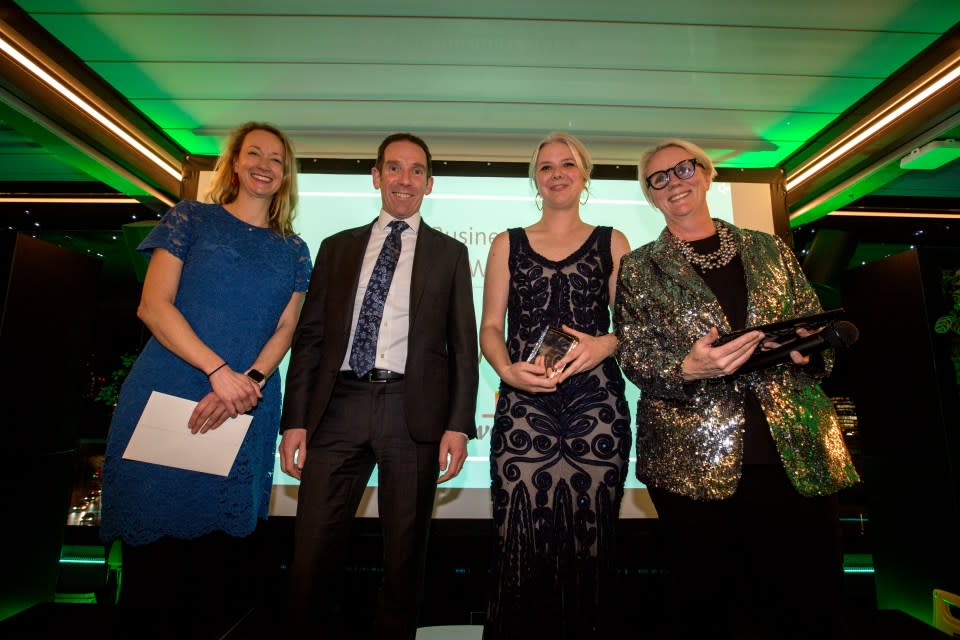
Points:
(836, 334)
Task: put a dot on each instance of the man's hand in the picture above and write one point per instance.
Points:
(453, 453)
(293, 452)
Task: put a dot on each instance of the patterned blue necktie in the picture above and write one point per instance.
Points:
(363, 354)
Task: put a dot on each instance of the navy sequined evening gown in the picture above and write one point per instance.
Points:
(558, 460)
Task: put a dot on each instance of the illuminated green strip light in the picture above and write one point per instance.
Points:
(858, 563)
(870, 570)
(87, 108)
(82, 555)
(893, 110)
(68, 560)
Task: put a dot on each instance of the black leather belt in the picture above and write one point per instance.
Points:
(375, 375)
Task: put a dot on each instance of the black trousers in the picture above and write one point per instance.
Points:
(363, 427)
(764, 563)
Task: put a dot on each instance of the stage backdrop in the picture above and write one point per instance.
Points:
(473, 210)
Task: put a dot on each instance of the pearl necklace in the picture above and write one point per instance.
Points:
(715, 259)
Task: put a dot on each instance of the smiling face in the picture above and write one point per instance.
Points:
(402, 180)
(681, 201)
(259, 164)
(560, 180)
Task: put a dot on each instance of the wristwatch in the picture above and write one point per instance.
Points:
(256, 376)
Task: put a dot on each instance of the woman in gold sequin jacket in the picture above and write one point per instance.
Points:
(739, 467)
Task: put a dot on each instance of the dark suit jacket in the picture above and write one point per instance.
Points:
(442, 358)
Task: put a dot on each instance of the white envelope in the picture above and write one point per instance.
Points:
(162, 437)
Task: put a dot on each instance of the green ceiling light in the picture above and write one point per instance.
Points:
(932, 155)
(18, 199)
(901, 105)
(47, 73)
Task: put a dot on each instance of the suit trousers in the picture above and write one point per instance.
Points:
(363, 426)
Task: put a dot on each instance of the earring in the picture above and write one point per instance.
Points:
(234, 180)
(538, 201)
(584, 197)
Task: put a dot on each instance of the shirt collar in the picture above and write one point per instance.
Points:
(385, 219)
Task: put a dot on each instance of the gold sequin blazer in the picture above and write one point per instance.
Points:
(690, 434)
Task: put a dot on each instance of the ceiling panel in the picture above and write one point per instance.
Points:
(309, 121)
(443, 41)
(939, 183)
(36, 167)
(915, 15)
(753, 80)
(331, 81)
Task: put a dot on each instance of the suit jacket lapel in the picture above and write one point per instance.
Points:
(674, 266)
(422, 262)
(351, 261)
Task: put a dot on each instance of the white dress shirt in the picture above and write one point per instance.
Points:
(395, 325)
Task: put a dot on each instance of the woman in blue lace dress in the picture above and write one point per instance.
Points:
(561, 437)
(221, 297)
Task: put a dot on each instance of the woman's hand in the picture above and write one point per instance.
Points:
(528, 376)
(706, 361)
(587, 354)
(209, 414)
(795, 356)
(238, 392)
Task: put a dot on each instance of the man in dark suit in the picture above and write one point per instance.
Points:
(398, 391)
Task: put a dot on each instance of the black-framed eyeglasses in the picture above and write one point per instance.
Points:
(683, 170)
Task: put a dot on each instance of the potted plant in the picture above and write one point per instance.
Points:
(949, 323)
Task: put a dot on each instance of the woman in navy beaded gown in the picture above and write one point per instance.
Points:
(561, 437)
(222, 295)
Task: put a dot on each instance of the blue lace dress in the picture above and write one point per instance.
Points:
(558, 460)
(236, 281)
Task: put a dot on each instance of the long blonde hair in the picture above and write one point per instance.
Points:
(223, 189)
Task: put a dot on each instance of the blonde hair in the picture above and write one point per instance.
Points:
(223, 189)
(695, 152)
(580, 155)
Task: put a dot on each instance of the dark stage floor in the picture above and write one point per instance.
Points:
(95, 622)
(455, 593)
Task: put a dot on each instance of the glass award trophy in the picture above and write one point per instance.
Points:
(551, 347)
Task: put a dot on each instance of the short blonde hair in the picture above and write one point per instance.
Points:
(580, 155)
(695, 152)
(223, 190)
